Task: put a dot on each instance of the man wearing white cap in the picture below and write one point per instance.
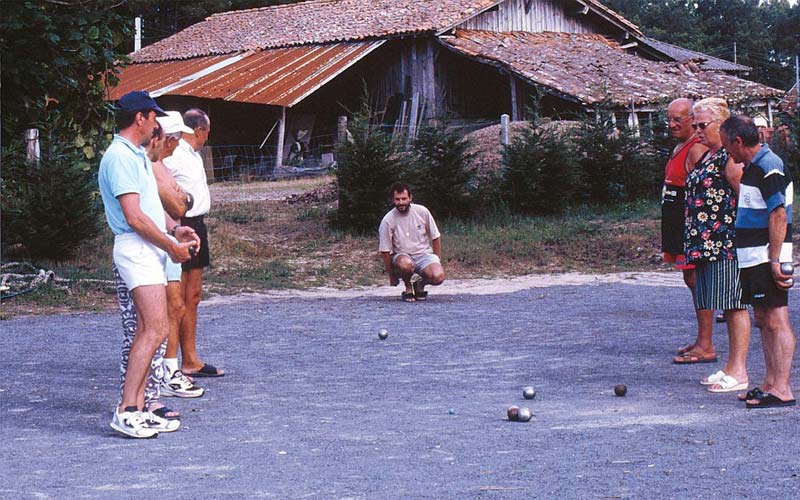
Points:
(176, 203)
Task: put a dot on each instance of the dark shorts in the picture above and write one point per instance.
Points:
(203, 257)
(673, 219)
(759, 288)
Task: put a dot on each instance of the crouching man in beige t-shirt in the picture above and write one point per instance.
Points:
(410, 244)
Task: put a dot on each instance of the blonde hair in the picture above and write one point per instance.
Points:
(714, 105)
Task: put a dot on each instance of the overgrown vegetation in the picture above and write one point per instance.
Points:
(442, 172)
(58, 60)
(541, 174)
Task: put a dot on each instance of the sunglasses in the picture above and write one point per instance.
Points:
(702, 125)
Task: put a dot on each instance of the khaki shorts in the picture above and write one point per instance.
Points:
(420, 261)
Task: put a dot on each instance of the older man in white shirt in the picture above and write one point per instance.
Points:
(186, 165)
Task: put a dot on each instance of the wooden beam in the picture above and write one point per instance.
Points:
(281, 137)
(512, 83)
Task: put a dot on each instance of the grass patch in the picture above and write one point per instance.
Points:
(260, 245)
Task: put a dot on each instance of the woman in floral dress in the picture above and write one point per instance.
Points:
(711, 191)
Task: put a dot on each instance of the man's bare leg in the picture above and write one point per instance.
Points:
(778, 341)
(404, 269)
(433, 274)
(176, 310)
(151, 330)
(192, 285)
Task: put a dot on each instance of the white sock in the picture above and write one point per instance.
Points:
(171, 364)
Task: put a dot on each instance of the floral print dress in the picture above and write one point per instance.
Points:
(710, 211)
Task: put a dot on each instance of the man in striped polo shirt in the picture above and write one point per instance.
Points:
(763, 241)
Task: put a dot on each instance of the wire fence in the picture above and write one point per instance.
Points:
(253, 162)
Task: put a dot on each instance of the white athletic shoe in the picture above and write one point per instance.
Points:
(161, 424)
(179, 386)
(131, 423)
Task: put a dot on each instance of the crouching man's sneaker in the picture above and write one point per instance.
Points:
(160, 424)
(178, 385)
(131, 422)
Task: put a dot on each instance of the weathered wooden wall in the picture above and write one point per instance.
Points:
(542, 15)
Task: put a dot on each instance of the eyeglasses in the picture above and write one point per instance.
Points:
(702, 125)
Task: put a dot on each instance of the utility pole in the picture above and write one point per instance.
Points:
(137, 41)
(796, 82)
(734, 52)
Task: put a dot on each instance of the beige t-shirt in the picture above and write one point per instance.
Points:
(410, 233)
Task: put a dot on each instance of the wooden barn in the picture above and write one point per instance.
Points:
(265, 74)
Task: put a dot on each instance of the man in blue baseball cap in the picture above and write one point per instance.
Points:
(141, 246)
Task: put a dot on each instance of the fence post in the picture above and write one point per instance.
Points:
(504, 130)
(32, 145)
(341, 129)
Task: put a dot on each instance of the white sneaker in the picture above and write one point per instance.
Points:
(178, 385)
(161, 424)
(131, 423)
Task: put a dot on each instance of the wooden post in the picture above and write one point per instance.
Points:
(281, 137)
(512, 83)
(430, 80)
(769, 112)
(32, 145)
(504, 130)
(341, 129)
(412, 118)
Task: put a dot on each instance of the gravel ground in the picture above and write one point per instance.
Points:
(316, 406)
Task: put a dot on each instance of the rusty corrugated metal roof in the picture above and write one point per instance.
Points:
(591, 69)
(325, 21)
(280, 77)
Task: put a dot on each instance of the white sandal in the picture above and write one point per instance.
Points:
(713, 378)
(729, 384)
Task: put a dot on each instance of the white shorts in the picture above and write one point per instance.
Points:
(420, 261)
(139, 262)
(174, 269)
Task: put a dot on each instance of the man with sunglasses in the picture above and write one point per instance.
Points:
(684, 156)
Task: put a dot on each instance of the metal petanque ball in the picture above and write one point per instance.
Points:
(620, 390)
(451, 411)
(528, 392)
(513, 413)
(787, 268)
(524, 414)
(383, 333)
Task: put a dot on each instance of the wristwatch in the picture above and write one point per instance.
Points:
(189, 201)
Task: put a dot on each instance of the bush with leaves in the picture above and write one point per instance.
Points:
(49, 208)
(442, 172)
(616, 164)
(369, 163)
(540, 174)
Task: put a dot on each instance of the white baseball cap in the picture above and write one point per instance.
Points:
(760, 121)
(173, 123)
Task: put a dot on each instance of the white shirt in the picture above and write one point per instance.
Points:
(186, 166)
(410, 233)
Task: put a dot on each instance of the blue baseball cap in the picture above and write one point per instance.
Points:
(139, 100)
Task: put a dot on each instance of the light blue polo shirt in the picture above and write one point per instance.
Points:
(124, 169)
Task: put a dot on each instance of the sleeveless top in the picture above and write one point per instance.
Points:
(675, 174)
(710, 211)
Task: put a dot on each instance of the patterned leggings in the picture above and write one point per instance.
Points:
(128, 312)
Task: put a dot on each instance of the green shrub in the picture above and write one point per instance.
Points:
(442, 172)
(368, 165)
(615, 164)
(50, 208)
(539, 170)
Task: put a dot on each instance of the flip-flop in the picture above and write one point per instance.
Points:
(163, 413)
(768, 400)
(206, 371)
(691, 358)
(728, 384)
(408, 297)
(713, 378)
(683, 350)
(753, 393)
